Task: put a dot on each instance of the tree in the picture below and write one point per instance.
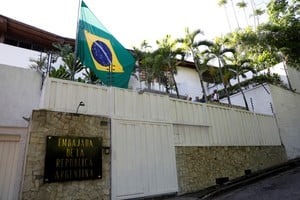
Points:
(257, 13)
(39, 64)
(145, 63)
(70, 64)
(218, 51)
(274, 41)
(90, 77)
(243, 5)
(191, 45)
(253, 11)
(61, 73)
(235, 16)
(223, 3)
(282, 32)
(167, 49)
(240, 66)
(248, 43)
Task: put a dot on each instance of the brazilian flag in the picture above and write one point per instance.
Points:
(99, 50)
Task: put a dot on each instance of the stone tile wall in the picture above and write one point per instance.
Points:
(46, 123)
(199, 167)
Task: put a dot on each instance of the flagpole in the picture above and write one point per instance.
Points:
(77, 28)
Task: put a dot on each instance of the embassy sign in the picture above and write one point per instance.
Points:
(73, 158)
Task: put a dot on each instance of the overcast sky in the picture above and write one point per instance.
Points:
(130, 21)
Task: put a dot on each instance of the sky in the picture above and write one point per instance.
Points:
(130, 21)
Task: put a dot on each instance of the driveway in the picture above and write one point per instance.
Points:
(285, 185)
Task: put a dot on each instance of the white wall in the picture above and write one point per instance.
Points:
(287, 112)
(259, 99)
(187, 80)
(294, 77)
(16, 56)
(222, 126)
(20, 91)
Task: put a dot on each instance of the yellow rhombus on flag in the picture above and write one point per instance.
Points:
(101, 52)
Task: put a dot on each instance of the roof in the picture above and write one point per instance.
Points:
(12, 29)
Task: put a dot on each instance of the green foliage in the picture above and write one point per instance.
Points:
(241, 4)
(89, 77)
(61, 73)
(70, 66)
(40, 64)
(222, 2)
(256, 80)
(161, 64)
(275, 41)
(194, 47)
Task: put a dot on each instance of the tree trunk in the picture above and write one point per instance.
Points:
(201, 81)
(228, 20)
(244, 97)
(234, 12)
(222, 78)
(175, 84)
(253, 11)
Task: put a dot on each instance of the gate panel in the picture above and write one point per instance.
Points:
(143, 159)
(12, 156)
(9, 156)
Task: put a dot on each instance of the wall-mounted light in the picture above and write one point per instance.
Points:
(80, 104)
(106, 150)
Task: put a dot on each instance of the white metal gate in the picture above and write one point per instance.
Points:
(12, 146)
(143, 159)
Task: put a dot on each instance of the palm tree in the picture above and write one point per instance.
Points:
(61, 73)
(90, 77)
(223, 3)
(39, 64)
(258, 12)
(190, 45)
(217, 51)
(243, 5)
(168, 51)
(70, 64)
(240, 66)
(253, 11)
(235, 16)
(144, 62)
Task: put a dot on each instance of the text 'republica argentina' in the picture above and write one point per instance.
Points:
(73, 158)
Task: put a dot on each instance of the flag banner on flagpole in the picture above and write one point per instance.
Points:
(100, 51)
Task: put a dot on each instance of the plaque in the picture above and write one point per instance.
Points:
(73, 158)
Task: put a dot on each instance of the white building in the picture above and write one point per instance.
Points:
(203, 124)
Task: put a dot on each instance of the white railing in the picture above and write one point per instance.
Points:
(194, 124)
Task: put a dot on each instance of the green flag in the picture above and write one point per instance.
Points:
(99, 50)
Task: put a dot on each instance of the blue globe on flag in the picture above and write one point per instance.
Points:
(101, 53)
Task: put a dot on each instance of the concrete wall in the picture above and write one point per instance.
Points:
(294, 77)
(224, 125)
(45, 123)
(16, 56)
(20, 93)
(287, 112)
(259, 99)
(199, 167)
(187, 80)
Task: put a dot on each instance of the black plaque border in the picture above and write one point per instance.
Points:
(53, 152)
